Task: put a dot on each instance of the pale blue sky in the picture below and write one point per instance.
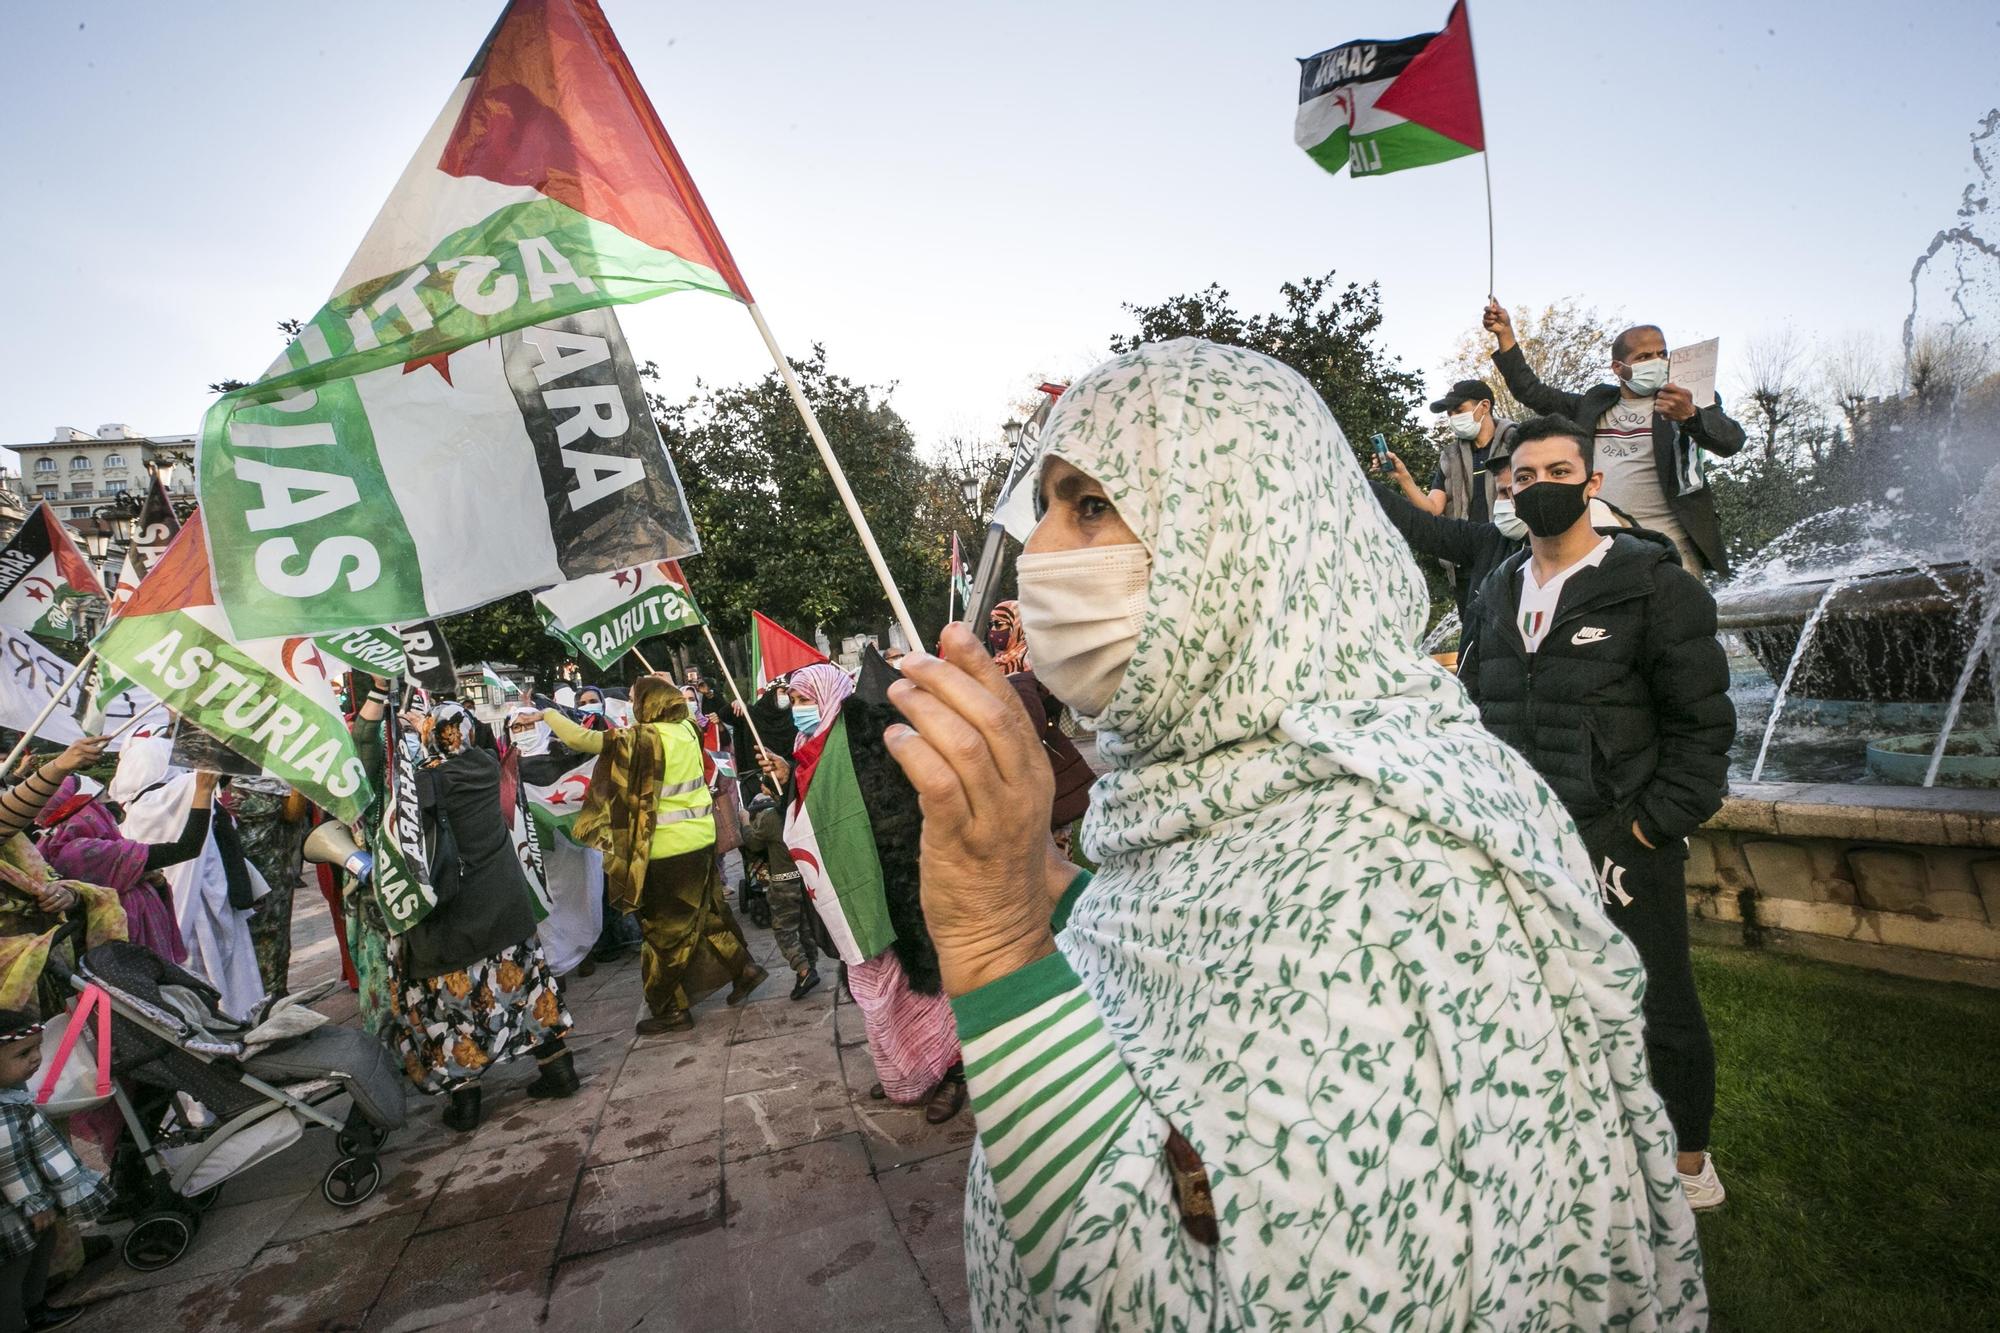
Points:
(957, 198)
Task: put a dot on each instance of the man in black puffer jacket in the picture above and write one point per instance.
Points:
(1595, 656)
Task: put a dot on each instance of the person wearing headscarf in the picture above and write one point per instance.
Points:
(36, 899)
(574, 874)
(911, 1036)
(651, 813)
(1338, 1032)
(215, 890)
(81, 840)
(1004, 638)
(472, 986)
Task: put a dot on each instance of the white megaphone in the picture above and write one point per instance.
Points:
(332, 845)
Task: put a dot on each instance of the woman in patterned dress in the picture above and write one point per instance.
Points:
(472, 988)
(1338, 1034)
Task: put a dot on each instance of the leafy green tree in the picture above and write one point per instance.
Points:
(506, 631)
(775, 537)
(1329, 334)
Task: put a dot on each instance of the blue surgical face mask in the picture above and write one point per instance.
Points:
(806, 718)
(592, 707)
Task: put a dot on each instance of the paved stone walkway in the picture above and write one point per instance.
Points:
(733, 1177)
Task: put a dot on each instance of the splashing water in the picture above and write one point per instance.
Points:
(1979, 646)
(1792, 669)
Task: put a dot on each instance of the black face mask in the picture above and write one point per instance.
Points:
(1551, 508)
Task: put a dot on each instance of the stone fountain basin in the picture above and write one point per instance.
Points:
(1971, 759)
(1897, 635)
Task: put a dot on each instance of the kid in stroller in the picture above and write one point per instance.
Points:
(205, 1096)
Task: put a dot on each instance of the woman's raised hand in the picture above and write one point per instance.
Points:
(985, 787)
(80, 754)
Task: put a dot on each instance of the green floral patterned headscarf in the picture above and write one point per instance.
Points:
(1347, 942)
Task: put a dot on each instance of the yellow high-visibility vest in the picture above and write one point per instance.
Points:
(684, 820)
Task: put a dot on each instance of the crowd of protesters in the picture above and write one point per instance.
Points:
(1357, 926)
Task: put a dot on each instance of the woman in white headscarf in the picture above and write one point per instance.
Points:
(1338, 1034)
(156, 798)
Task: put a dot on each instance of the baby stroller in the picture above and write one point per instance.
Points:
(202, 1104)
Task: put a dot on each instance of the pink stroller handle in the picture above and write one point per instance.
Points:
(92, 998)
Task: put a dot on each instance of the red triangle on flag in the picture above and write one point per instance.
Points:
(71, 564)
(1439, 90)
(779, 651)
(555, 106)
(180, 579)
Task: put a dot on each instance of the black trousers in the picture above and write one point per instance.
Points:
(1678, 1047)
(23, 1281)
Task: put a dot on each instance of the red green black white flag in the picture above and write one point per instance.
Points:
(43, 576)
(462, 419)
(1376, 106)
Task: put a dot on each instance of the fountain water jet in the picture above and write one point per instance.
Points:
(1791, 670)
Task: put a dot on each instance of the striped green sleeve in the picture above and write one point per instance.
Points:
(1050, 1095)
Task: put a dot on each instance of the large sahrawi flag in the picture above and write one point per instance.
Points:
(456, 424)
(43, 578)
(832, 841)
(269, 700)
(520, 462)
(1381, 106)
(604, 615)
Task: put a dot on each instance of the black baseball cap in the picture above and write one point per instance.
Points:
(1465, 391)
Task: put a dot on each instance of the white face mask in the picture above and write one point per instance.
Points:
(1081, 612)
(1648, 377)
(1511, 525)
(1464, 425)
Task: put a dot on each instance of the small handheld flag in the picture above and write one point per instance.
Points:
(1377, 106)
(1380, 106)
(776, 651)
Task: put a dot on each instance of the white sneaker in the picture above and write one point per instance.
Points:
(1703, 1189)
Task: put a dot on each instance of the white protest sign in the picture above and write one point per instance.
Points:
(1694, 370)
(30, 676)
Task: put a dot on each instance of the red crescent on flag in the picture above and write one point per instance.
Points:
(34, 594)
(285, 656)
(571, 790)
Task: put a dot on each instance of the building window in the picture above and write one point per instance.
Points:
(47, 492)
(79, 464)
(45, 465)
(80, 513)
(114, 462)
(114, 487)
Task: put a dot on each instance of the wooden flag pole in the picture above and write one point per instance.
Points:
(643, 662)
(832, 464)
(14, 755)
(734, 693)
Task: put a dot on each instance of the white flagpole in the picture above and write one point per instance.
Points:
(847, 499)
(730, 680)
(7, 765)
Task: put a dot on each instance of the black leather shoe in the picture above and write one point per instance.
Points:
(53, 1316)
(805, 984)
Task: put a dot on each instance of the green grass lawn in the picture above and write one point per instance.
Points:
(1857, 1130)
